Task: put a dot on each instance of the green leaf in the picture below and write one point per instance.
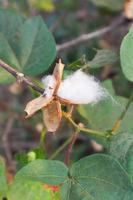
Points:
(7, 55)
(103, 115)
(103, 58)
(10, 23)
(3, 181)
(109, 4)
(93, 177)
(9, 26)
(45, 171)
(97, 177)
(121, 147)
(37, 48)
(126, 55)
(27, 190)
(26, 44)
(77, 64)
(109, 86)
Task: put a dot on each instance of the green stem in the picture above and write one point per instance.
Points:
(85, 130)
(78, 130)
(61, 147)
(121, 117)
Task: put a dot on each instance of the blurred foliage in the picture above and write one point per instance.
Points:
(109, 4)
(27, 44)
(46, 5)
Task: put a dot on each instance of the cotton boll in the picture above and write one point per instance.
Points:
(80, 88)
(49, 84)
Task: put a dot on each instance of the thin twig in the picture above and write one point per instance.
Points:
(54, 155)
(20, 76)
(70, 147)
(98, 33)
(5, 140)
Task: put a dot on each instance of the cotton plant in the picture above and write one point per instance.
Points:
(78, 88)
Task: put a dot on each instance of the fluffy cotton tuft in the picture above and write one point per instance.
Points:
(80, 88)
(49, 84)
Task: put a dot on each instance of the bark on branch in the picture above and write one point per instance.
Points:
(88, 36)
(20, 77)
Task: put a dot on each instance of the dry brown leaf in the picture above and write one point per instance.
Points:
(37, 104)
(128, 9)
(52, 116)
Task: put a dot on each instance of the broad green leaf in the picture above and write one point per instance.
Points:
(103, 115)
(3, 181)
(97, 177)
(28, 190)
(121, 147)
(9, 26)
(8, 56)
(10, 23)
(27, 46)
(45, 171)
(126, 55)
(37, 48)
(109, 4)
(103, 58)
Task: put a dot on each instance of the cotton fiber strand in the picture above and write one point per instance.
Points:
(80, 88)
(49, 84)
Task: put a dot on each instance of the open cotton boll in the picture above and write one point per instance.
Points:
(49, 85)
(80, 88)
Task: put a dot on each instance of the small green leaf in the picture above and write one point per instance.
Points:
(37, 48)
(126, 55)
(3, 181)
(109, 4)
(103, 58)
(77, 64)
(45, 171)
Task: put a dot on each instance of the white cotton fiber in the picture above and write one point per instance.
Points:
(80, 88)
(49, 85)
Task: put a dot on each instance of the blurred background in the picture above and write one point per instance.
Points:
(66, 20)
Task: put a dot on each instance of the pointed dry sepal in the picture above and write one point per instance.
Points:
(52, 116)
(37, 104)
(128, 9)
(58, 72)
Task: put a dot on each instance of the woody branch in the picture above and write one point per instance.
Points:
(120, 20)
(20, 76)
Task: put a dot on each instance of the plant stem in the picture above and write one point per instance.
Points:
(120, 20)
(20, 77)
(61, 147)
(85, 130)
(121, 117)
(70, 147)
